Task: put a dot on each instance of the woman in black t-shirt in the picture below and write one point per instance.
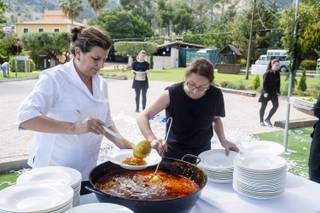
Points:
(195, 107)
(270, 92)
(140, 83)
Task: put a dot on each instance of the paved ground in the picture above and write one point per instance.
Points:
(241, 114)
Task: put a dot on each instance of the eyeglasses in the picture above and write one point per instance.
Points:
(193, 87)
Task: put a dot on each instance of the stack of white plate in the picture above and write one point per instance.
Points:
(100, 208)
(54, 174)
(263, 148)
(259, 176)
(217, 165)
(36, 198)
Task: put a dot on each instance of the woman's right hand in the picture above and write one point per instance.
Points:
(159, 145)
(265, 95)
(87, 125)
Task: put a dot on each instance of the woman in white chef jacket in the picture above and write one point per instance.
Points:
(69, 106)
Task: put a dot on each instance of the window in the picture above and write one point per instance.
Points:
(25, 30)
(56, 30)
(40, 30)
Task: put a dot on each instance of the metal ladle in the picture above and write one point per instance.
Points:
(155, 178)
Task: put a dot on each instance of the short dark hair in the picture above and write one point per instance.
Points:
(87, 38)
(272, 62)
(201, 66)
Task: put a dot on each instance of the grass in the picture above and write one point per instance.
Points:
(298, 148)
(12, 75)
(235, 81)
(8, 179)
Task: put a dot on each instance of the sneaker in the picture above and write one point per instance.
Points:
(268, 122)
(262, 123)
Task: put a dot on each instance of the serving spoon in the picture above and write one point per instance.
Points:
(155, 178)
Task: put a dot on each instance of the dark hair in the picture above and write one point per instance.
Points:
(272, 62)
(88, 38)
(201, 66)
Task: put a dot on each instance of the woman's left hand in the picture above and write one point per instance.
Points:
(229, 146)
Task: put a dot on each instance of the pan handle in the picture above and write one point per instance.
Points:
(198, 160)
(92, 189)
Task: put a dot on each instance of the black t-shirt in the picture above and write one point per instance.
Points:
(271, 82)
(192, 129)
(140, 67)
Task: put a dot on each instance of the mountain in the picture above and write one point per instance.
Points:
(33, 9)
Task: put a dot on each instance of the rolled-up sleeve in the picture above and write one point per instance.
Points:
(39, 101)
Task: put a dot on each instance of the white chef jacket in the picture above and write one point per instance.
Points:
(60, 94)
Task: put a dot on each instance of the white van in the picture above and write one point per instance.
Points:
(281, 55)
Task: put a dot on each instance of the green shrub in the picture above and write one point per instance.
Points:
(302, 85)
(308, 64)
(256, 82)
(21, 65)
(243, 62)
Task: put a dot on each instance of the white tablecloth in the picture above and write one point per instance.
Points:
(301, 196)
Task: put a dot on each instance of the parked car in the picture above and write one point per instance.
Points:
(281, 55)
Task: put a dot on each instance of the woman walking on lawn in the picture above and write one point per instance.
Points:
(270, 91)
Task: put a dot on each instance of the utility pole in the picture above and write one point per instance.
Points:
(292, 70)
(250, 39)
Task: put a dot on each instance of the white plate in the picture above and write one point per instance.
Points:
(255, 162)
(263, 148)
(54, 174)
(100, 208)
(35, 197)
(216, 159)
(152, 159)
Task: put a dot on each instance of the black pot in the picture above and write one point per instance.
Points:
(170, 165)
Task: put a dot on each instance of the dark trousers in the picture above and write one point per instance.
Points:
(142, 90)
(264, 102)
(314, 157)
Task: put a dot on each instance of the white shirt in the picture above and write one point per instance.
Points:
(60, 94)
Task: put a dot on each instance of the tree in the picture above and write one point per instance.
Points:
(72, 8)
(166, 14)
(97, 5)
(3, 7)
(182, 20)
(308, 30)
(50, 44)
(144, 8)
(122, 24)
(132, 48)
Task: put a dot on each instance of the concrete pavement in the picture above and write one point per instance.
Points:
(242, 114)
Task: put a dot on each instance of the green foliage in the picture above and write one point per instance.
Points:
(97, 5)
(143, 8)
(243, 62)
(132, 48)
(302, 85)
(308, 31)
(3, 7)
(72, 8)
(6, 46)
(21, 65)
(256, 82)
(50, 45)
(120, 23)
(240, 85)
(308, 64)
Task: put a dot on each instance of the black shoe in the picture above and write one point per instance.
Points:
(262, 123)
(137, 110)
(268, 122)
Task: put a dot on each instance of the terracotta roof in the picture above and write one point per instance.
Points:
(50, 21)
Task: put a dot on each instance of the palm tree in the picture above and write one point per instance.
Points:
(72, 8)
(97, 5)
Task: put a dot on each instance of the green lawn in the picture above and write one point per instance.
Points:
(298, 148)
(235, 81)
(8, 179)
(12, 75)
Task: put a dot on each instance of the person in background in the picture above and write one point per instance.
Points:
(69, 108)
(196, 108)
(5, 67)
(140, 83)
(314, 157)
(270, 91)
